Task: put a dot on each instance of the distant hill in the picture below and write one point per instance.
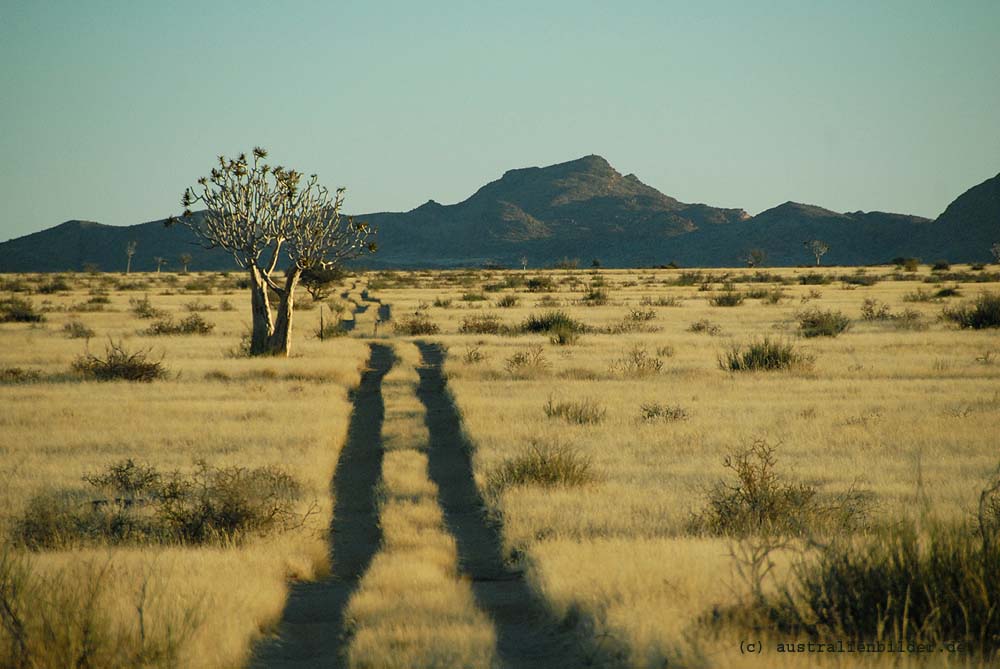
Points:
(582, 209)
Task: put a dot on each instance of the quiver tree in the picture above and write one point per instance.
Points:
(817, 248)
(266, 216)
(185, 260)
(129, 252)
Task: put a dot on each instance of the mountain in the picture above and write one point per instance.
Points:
(582, 209)
(970, 224)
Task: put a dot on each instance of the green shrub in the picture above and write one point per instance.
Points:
(19, 310)
(133, 503)
(982, 313)
(819, 323)
(483, 324)
(727, 298)
(583, 412)
(56, 284)
(595, 297)
(540, 284)
(563, 335)
(668, 301)
(473, 297)
(197, 305)
(763, 355)
(768, 295)
(549, 321)
(416, 325)
(941, 266)
(119, 364)
(473, 355)
(143, 308)
(507, 301)
(442, 303)
(860, 278)
(908, 319)
(873, 310)
(545, 465)
(193, 324)
(815, 279)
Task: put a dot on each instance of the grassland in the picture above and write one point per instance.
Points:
(900, 412)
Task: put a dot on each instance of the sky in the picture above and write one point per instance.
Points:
(109, 110)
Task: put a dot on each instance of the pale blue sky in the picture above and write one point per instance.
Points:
(110, 109)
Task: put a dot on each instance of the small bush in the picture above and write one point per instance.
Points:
(416, 325)
(727, 298)
(19, 375)
(919, 295)
(330, 330)
(226, 305)
(118, 364)
(539, 284)
(442, 303)
(526, 363)
(760, 501)
(815, 279)
(56, 284)
(654, 412)
(549, 321)
(137, 504)
(473, 297)
(595, 297)
(193, 324)
(860, 278)
(76, 329)
(482, 324)
(982, 313)
(143, 308)
(543, 465)
(637, 363)
(819, 323)
(563, 335)
(767, 295)
(668, 301)
(873, 310)
(197, 305)
(941, 266)
(908, 319)
(473, 355)
(763, 355)
(19, 310)
(583, 412)
(705, 326)
(507, 301)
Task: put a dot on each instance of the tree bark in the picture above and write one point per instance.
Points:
(280, 340)
(263, 326)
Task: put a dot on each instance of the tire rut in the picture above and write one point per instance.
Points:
(528, 634)
(311, 633)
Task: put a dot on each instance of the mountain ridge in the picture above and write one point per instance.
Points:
(582, 208)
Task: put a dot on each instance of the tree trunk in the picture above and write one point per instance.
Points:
(263, 326)
(280, 340)
(128, 265)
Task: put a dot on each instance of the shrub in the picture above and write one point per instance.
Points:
(941, 266)
(76, 329)
(819, 323)
(482, 324)
(19, 310)
(815, 279)
(551, 320)
(873, 310)
(442, 303)
(143, 308)
(860, 278)
(582, 413)
(473, 355)
(763, 355)
(416, 325)
(982, 313)
(525, 363)
(540, 284)
(193, 324)
(595, 297)
(705, 326)
(226, 305)
(545, 465)
(768, 295)
(197, 305)
(563, 335)
(119, 364)
(654, 411)
(760, 501)
(947, 291)
(908, 319)
(727, 298)
(19, 375)
(330, 330)
(56, 284)
(669, 301)
(507, 301)
(137, 504)
(473, 297)
(637, 362)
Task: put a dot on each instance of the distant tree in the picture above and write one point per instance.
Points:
(755, 257)
(595, 263)
(817, 248)
(995, 251)
(160, 262)
(320, 281)
(91, 268)
(185, 260)
(129, 252)
(524, 262)
(261, 214)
